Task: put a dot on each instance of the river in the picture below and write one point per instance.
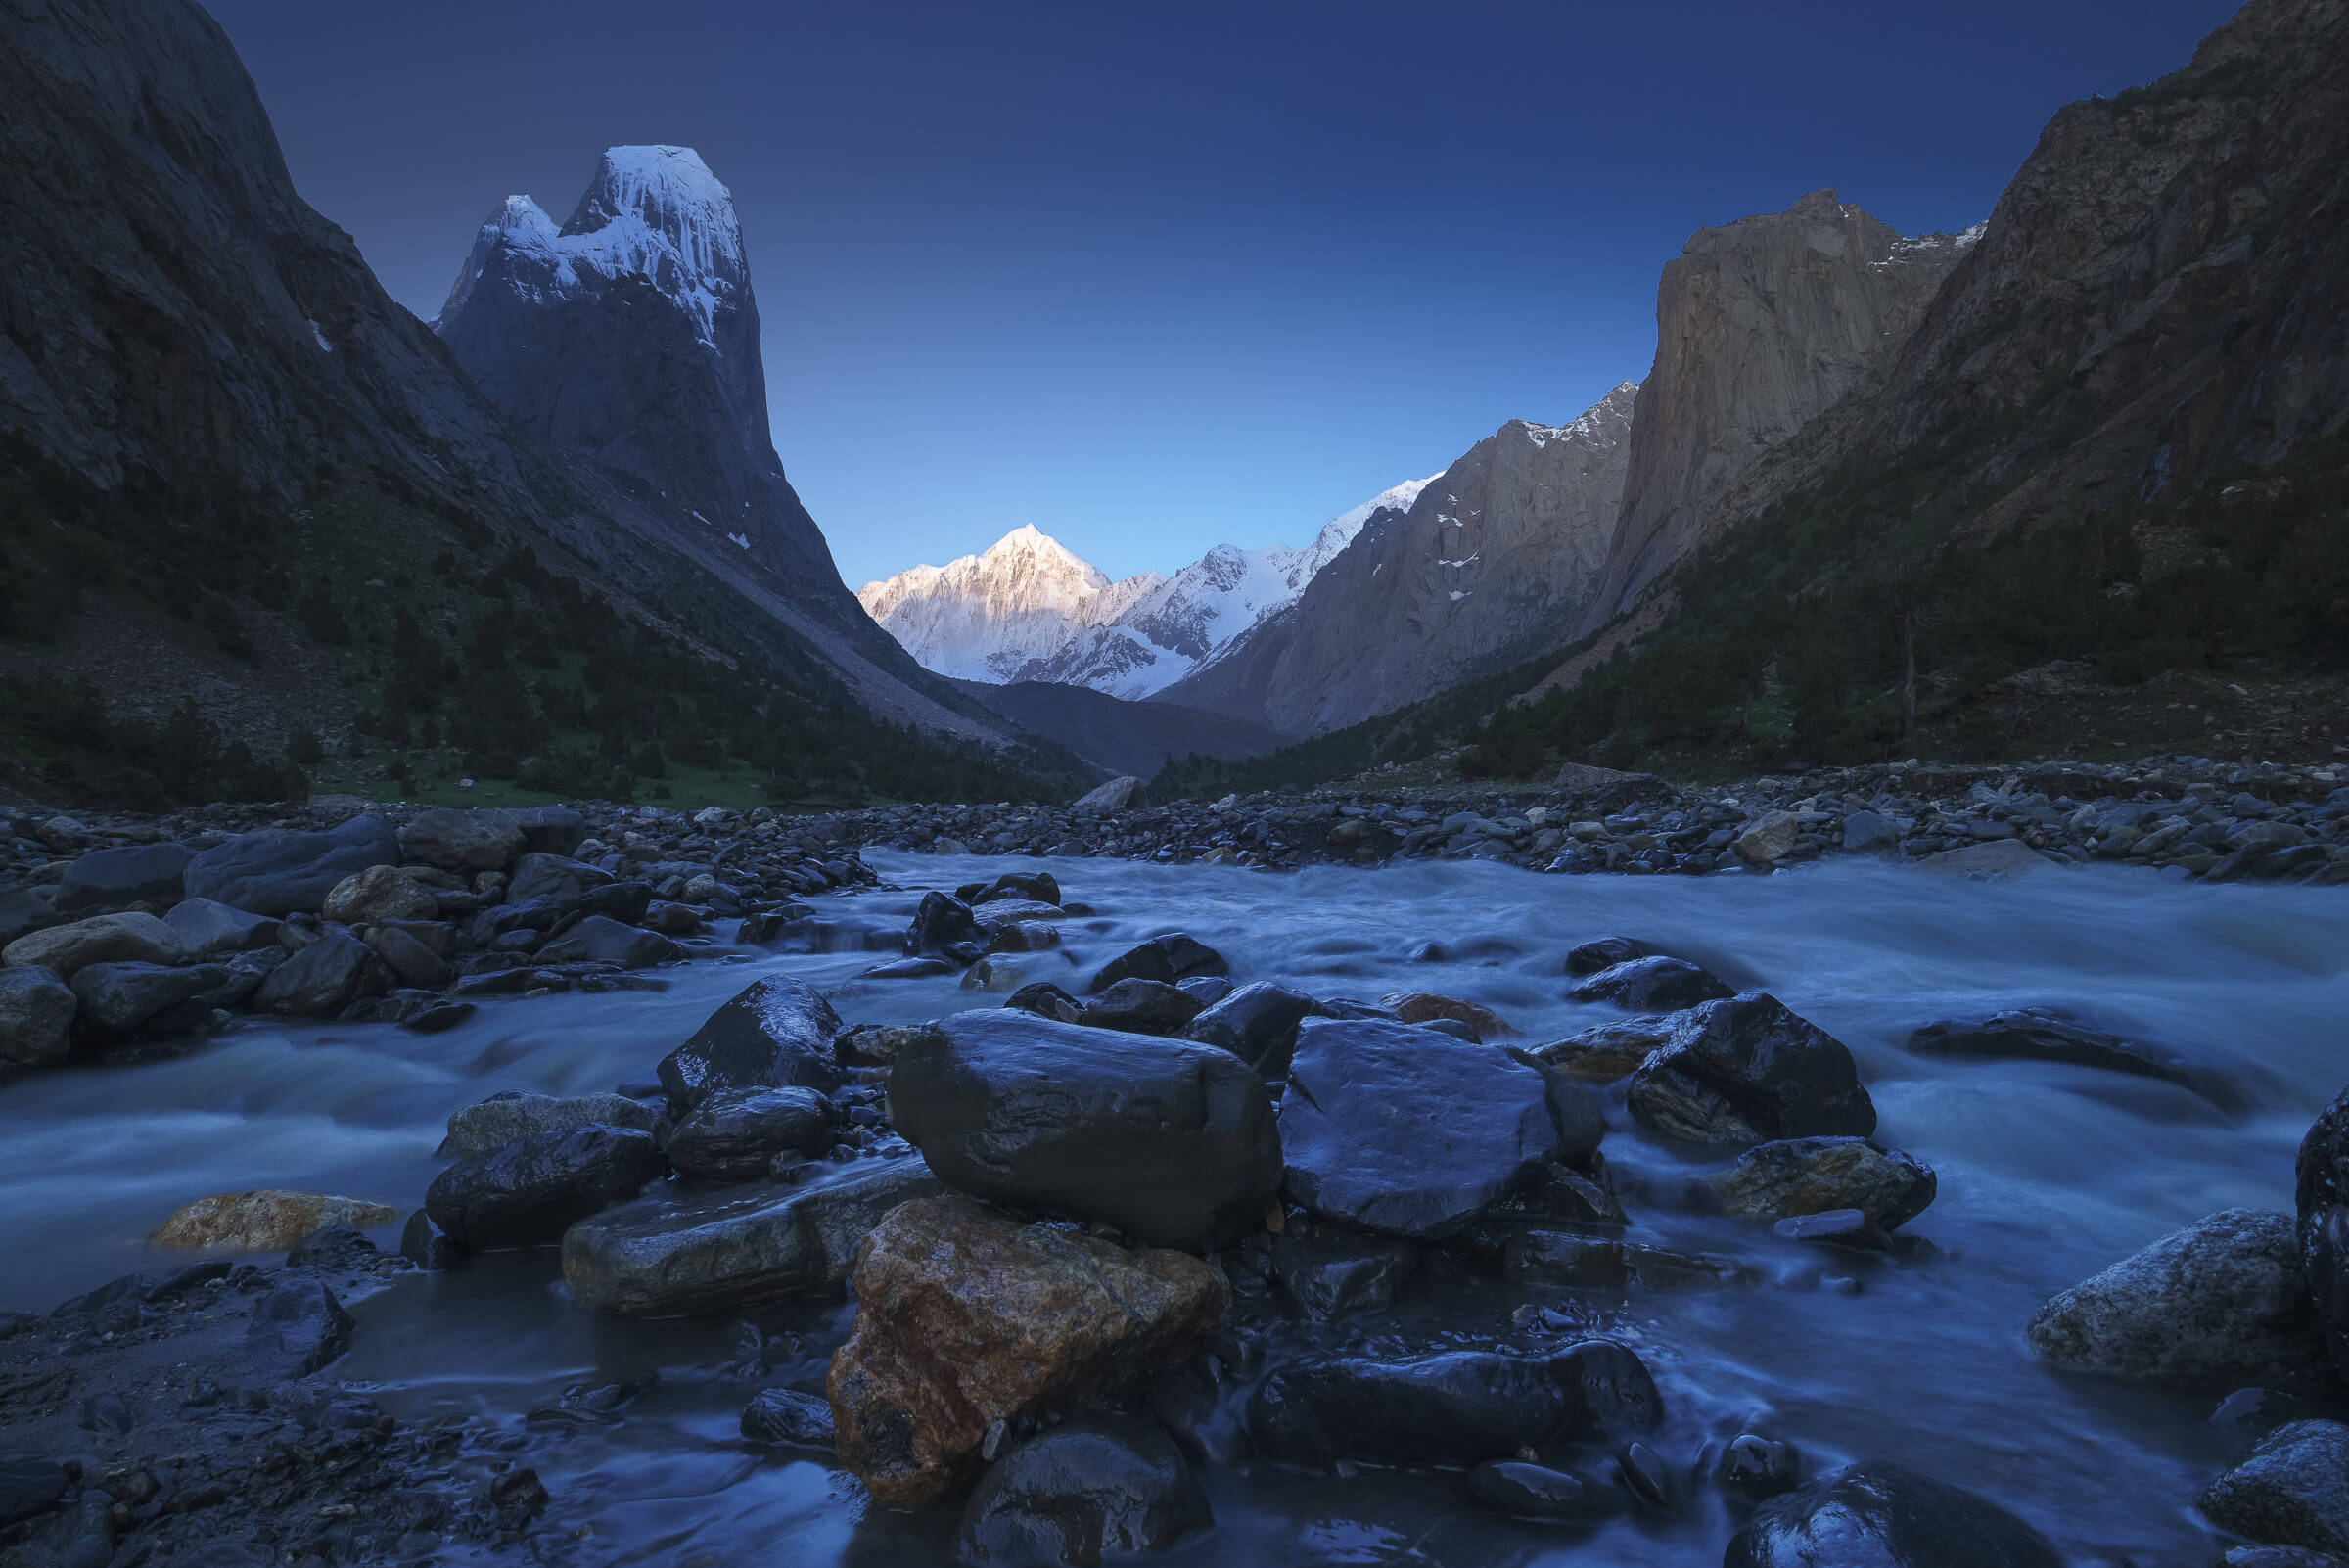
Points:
(2046, 1174)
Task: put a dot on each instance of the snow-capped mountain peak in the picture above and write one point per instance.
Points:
(1029, 609)
(650, 213)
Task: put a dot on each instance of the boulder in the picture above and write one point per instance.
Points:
(118, 999)
(601, 940)
(209, 929)
(323, 978)
(774, 1033)
(1123, 794)
(1882, 1516)
(942, 925)
(737, 1135)
(1605, 952)
(1869, 833)
(504, 1118)
(1426, 1008)
(2222, 1298)
(1812, 1175)
(1046, 1000)
(379, 893)
(1606, 1052)
(266, 1220)
(1767, 838)
(1172, 1143)
(135, 876)
(1452, 1407)
(1084, 1492)
(527, 1193)
(2322, 1200)
(296, 1329)
(29, 1485)
(1141, 1007)
(785, 1416)
(556, 879)
(464, 841)
(1333, 1274)
(673, 1257)
(23, 911)
(556, 830)
(1169, 959)
(279, 873)
(1651, 985)
(37, 1016)
(415, 964)
(628, 902)
(2037, 1035)
(1405, 1132)
(107, 938)
(1038, 886)
(2291, 1490)
(1747, 1071)
(1257, 1023)
(966, 1317)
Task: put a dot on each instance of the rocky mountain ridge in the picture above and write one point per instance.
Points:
(185, 335)
(1028, 608)
(1506, 540)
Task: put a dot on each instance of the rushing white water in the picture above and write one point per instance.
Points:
(2046, 1174)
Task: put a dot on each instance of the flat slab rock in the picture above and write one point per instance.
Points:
(1172, 1143)
(1408, 1131)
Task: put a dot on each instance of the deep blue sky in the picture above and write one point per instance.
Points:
(1156, 277)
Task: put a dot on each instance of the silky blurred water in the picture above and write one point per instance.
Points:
(2046, 1174)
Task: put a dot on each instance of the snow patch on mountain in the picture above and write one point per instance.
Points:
(650, 213)
(1029, 609)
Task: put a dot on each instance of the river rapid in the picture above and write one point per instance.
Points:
(2047, 1175)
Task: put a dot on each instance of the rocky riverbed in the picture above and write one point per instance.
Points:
(922, 1205)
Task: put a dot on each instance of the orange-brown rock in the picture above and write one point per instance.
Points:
(267, 1221)
(966, 1317)
(1421, 1007)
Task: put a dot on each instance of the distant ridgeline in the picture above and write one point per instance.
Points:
(256, 518)
(2106, 425)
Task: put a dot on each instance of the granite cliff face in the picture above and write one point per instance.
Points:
(176, 320)
(1761, 326)
(629, 334)
(1506, 541)
(2161, 293)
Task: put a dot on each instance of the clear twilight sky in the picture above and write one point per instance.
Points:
(1155, 278)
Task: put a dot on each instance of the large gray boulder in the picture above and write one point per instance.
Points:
(131, 938)
(1882, 1516)
(666, 1257)
(136, 876)
(462, 841)
(527, 1193)
(209, 929)
(279, 873)
(2321, 1202)
(562, 882)
(1126, 794)
(1108, 1487)
(23, 911)
(740, 1135)
(121, 998)
(1172, 1143)
(1408, 1131)
(1746, 1071)
(773, 1034)
(323, 978)
(2292, 1489)
(2222, 1298)
(503, 1119)
(601, 940)
(37, 1016)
